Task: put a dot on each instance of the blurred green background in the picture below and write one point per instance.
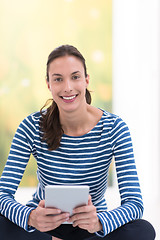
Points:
(30, 30)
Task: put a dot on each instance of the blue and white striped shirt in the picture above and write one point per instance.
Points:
(81, 160)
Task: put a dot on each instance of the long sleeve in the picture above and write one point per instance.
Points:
(131, 200)
(79, 160)
(21, 148)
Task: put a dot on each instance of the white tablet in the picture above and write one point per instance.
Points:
(66, 198)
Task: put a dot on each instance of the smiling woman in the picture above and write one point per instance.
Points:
(67, 79)
(29, 30)
(70, 84)
(73, 143)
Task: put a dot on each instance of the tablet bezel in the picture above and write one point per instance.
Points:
(66, 197)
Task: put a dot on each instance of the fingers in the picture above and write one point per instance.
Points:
(51, 211)
(91, 224)
(57, 218)
(49, 223)
(42, 203)
(47, 211)
(84, 209)
(79, 222)
(85, 217)
(46, 219)
(89, 200)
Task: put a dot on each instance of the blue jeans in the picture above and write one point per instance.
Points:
(135, 230)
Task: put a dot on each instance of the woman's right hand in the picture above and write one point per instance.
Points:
(43, 220)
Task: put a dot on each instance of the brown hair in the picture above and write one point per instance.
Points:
(50, 123)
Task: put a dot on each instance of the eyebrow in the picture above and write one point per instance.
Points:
(75, 72)
(57, 74)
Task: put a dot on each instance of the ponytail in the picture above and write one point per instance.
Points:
(50, 124)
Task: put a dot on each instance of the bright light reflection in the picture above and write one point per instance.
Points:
(25, 82)
(98, 56)
(94, 13)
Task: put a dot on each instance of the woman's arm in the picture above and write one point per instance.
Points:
(21, 148)
(131, 199)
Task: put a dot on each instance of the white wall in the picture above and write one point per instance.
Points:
(136, 88)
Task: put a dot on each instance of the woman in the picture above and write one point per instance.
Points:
(73, 143)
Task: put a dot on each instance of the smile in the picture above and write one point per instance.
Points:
(69, 98)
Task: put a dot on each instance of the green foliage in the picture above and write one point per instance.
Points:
(29, 31)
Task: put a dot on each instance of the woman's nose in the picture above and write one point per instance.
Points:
(67, 86)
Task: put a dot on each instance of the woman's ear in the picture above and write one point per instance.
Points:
(87, 80)
(48, 85)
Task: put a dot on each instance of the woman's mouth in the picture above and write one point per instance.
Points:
(69, 99)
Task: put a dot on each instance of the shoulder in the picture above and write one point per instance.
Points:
(28, 127)
(110, 117)
(112, 121)
(34, 116)
(31, 121)
(104, 116)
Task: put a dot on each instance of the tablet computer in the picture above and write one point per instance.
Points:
(65, 197)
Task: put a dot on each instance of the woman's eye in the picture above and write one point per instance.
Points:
(75, 77)
(58, 79)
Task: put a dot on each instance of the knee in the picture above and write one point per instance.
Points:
(142, 230)
(147, 230)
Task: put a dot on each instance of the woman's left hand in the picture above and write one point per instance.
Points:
(85, 217)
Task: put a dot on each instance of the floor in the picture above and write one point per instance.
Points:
(151, 213)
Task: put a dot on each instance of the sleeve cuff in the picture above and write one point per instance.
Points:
(103, 232)
(26, 226)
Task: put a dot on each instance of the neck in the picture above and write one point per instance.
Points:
(75, 123)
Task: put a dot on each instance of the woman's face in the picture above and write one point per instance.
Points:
(67, 83)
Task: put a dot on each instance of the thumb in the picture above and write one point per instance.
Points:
(89, 200)
(42, 204)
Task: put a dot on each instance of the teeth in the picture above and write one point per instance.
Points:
(69, 98)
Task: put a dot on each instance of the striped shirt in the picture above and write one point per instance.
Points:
(80, 160)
